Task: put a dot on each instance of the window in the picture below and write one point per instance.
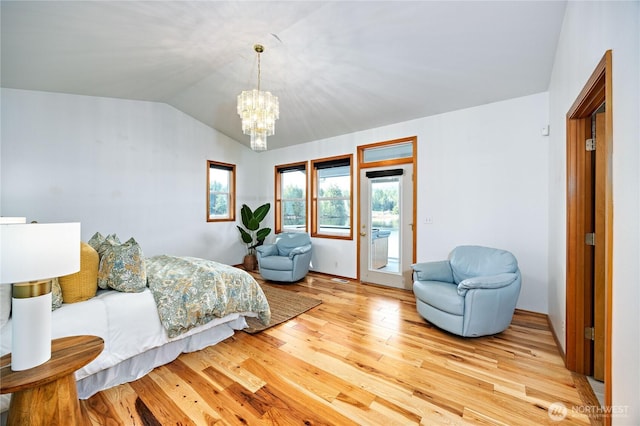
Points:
(291, 197)
(221, 186)
(388, 151)
(332, 197)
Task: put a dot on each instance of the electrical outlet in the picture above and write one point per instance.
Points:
(428, 220)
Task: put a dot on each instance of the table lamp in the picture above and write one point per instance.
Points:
(31, 255)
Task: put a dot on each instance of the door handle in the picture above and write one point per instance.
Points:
(363, 234)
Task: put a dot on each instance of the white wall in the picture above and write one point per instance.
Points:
(589, 29)
(482, 177)
(134, 168)
(139, 168)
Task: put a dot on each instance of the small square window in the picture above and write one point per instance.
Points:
(221, 182)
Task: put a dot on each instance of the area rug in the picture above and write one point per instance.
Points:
(284, 305)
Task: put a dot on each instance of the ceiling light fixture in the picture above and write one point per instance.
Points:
(259, 112)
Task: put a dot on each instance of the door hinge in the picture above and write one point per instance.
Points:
(590, 239)
(589, 333)
(590, 144)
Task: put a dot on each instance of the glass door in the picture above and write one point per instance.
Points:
(386, 228)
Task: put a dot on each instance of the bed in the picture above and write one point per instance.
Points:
(187, 305)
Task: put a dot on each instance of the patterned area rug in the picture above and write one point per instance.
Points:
(285, 304)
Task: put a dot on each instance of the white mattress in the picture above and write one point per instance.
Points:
(134, 340)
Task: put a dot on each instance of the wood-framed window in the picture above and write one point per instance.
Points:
(221, 191)
(291, 197)
(332, 197)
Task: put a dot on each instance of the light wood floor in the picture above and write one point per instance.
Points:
(364, 356)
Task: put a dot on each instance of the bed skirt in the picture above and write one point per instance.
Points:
(140, 365)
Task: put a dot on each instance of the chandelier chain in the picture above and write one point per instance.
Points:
(258, 53)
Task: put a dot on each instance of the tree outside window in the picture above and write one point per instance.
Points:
(294, 213)
(385, 196)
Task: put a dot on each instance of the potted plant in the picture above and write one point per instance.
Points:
(253, 236)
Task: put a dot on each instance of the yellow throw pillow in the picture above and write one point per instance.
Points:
(82, 285)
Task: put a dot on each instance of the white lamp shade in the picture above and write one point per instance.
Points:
(37, 251)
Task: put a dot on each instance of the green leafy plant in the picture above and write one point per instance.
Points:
(253, 236)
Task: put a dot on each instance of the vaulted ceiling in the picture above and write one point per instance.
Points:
(337, 67)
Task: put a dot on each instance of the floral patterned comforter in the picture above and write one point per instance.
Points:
(190, 291)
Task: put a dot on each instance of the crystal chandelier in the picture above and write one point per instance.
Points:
(259, 112)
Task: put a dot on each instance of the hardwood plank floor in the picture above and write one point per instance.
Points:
(362, 357)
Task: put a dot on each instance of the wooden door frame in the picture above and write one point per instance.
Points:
(362, 164)
(597, 91)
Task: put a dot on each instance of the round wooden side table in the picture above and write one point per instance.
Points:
(47, 394)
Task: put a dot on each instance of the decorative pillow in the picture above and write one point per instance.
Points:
(83, 284)
(101, 244)
(5, 303)
(122, 266)
(96, 241)
(56, 294)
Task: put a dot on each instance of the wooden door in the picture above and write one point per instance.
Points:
(585, 308)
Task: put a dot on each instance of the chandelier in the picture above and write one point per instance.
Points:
(259, 112)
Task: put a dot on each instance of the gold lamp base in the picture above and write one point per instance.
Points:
(31, 289)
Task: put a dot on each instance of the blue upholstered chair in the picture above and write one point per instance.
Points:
(287, 260)
(474, 293)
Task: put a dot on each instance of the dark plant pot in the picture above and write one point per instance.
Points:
(250, 262)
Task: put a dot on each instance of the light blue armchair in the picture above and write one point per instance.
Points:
(287, 260)
(474, 293)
